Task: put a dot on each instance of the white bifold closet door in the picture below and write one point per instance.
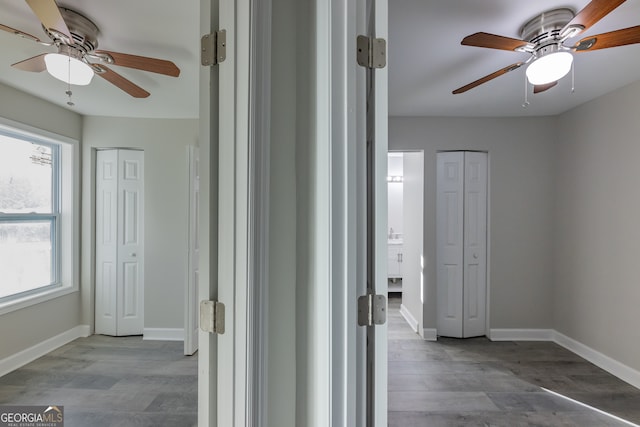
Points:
(119, 242)
(461, 243)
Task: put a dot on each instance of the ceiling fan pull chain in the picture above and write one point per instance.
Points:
(573, 77)
(526, 93)
(68, 92)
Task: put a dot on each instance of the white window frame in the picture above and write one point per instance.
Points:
(67, 218)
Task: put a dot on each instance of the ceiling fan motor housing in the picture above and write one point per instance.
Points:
(544, 30)
(83, 31)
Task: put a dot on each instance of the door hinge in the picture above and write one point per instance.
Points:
(213, 48)
(372, 310)
(372, 53)
(212, 317)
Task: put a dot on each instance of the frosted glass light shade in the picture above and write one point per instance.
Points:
(68, 69)
(549, 68)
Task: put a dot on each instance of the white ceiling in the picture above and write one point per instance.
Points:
(165, 29)
(426, 60)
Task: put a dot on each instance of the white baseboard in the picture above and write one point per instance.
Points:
(521, 334)
(163, 334)
(603, 361)
(409, 318)
(430, 334)
(17, 360)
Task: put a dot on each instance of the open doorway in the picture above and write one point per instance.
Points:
(405, 181)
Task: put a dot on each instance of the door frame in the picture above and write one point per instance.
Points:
(223, 377)
(207, 287)
(335, 122)
(338, 184)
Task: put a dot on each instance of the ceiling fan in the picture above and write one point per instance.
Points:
(543, 37)
(77, 59)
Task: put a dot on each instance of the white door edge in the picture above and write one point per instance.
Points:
(191, 307)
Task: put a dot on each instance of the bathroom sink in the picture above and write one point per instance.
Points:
(394, 241)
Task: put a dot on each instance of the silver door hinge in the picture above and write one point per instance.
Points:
(213, 48)
(212, 317)
(372, 310)
(372, 53)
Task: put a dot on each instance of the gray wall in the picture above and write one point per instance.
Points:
(598, 225)
(24, 328)
(164, 142)
(282, 219)
(521, 195)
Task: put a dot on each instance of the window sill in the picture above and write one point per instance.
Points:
(39, 298)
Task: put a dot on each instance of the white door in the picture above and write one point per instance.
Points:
(193, 264)
(449, 238)
(120, 242)
(106, 241)
(475, 244)
(461, 243)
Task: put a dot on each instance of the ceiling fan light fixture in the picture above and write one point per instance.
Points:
(68, 69)
(549, 68)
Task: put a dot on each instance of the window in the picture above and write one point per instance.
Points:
(36, 222)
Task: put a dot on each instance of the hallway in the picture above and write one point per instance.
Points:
(476, 382)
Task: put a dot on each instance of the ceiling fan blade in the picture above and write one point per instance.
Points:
(35, 64)
(124, 84)
(612, 39)
(493, 41)
(143, 63)
(49, 14)
(19, 33)
(488, 78)
(592, 13)
(542, 88)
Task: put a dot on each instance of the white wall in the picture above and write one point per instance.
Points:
(25, 328)
(413, 246)
(598, 225)
(521, 194)
(164, 142)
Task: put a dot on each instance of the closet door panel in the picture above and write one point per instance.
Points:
(450, 209)
(475, 244)
(130, 251)
(106, 241)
